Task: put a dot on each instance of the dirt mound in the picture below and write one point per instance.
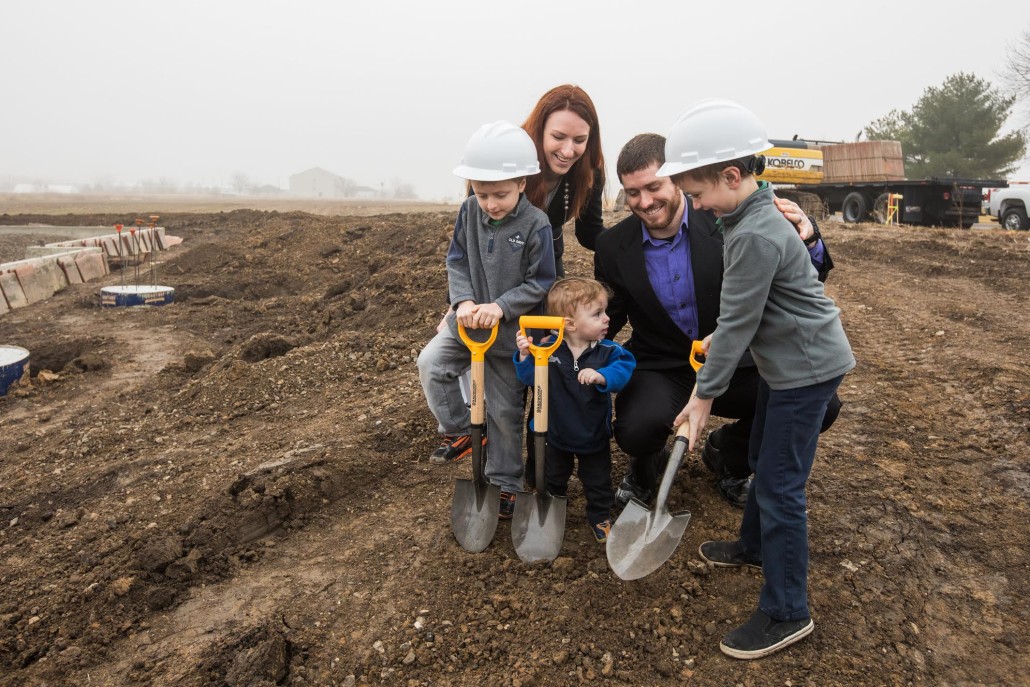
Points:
(233, 490)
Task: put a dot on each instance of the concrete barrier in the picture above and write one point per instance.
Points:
(34, 284)
(146, 240)
(52, 267)
(92, 265)
(71, 270)
(12, 290)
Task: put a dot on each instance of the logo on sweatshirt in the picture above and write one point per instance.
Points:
(517, 242)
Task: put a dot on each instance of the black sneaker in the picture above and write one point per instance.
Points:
(629, 490)
(507, 506)
(454, 447)
(762, 635)
(726, 554)
(734, 490)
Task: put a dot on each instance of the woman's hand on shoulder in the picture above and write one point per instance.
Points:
(792, 211)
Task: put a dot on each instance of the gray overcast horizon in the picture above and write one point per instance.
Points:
(128, 90)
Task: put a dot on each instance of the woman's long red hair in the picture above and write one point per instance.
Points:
(574, 99)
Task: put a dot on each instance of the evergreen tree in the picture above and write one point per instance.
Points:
(953, 130)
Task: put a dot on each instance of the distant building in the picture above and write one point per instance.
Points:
(45, 188)
(318, 183)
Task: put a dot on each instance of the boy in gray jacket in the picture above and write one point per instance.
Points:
(500, 265)
(773, 304)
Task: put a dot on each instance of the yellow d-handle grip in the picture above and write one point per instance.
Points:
(542, 353)
(696, 349)
(477, 348)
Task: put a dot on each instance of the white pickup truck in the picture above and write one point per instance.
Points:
(1010, 205)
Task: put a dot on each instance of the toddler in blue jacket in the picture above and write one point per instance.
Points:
(583, 373)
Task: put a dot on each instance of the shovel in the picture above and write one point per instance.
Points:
(476, 502)
(538, 526)
(642, 540)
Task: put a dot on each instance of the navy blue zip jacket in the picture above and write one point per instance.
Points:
(580, 417)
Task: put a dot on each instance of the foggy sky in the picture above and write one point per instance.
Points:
(195, 92)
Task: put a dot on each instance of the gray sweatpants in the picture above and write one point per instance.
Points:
(440, 364)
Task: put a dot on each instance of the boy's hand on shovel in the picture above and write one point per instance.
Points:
(696, 412)
(486, 315)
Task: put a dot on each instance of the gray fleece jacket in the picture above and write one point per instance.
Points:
(773, 302)
(511, 264)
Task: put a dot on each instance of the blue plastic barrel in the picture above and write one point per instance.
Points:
(14, 362)
(139, 294)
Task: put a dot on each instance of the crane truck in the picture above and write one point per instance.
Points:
(857, 179)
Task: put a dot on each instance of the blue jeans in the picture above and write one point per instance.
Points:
(775, 524)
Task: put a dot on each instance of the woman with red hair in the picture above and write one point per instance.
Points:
(565, 129)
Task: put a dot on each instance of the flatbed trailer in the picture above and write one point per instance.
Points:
(938, 201)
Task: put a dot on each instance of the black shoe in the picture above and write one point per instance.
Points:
(762, 635)
(629, 490)
(734, 490)
(727, 554)
(711, 456)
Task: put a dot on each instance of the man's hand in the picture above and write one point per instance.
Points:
(589, 376)
(795, 216)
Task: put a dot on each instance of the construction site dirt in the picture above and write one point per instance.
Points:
(234, 489)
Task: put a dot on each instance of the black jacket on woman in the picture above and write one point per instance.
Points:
(588, 224)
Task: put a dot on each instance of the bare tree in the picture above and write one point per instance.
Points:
(240, 182)
(1016, 75)
(401, 189)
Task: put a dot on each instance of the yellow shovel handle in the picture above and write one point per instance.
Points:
(477, 348)
(696, 349)
(542, 353)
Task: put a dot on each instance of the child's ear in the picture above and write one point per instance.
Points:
(731, 175)
(522, 184)
(570, 323)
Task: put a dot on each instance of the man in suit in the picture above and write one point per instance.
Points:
(664, 266)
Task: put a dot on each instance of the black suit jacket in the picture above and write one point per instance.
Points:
(657, 342)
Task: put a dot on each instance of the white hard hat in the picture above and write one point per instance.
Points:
(712, 131)
(496, 152)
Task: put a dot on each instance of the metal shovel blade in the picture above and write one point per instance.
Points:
(642, 540)
(538, 526)
(474, 513)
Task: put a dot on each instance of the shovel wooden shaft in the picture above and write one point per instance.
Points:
(540, 405)
(538, 525)
(478, 408)
(474, 511)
